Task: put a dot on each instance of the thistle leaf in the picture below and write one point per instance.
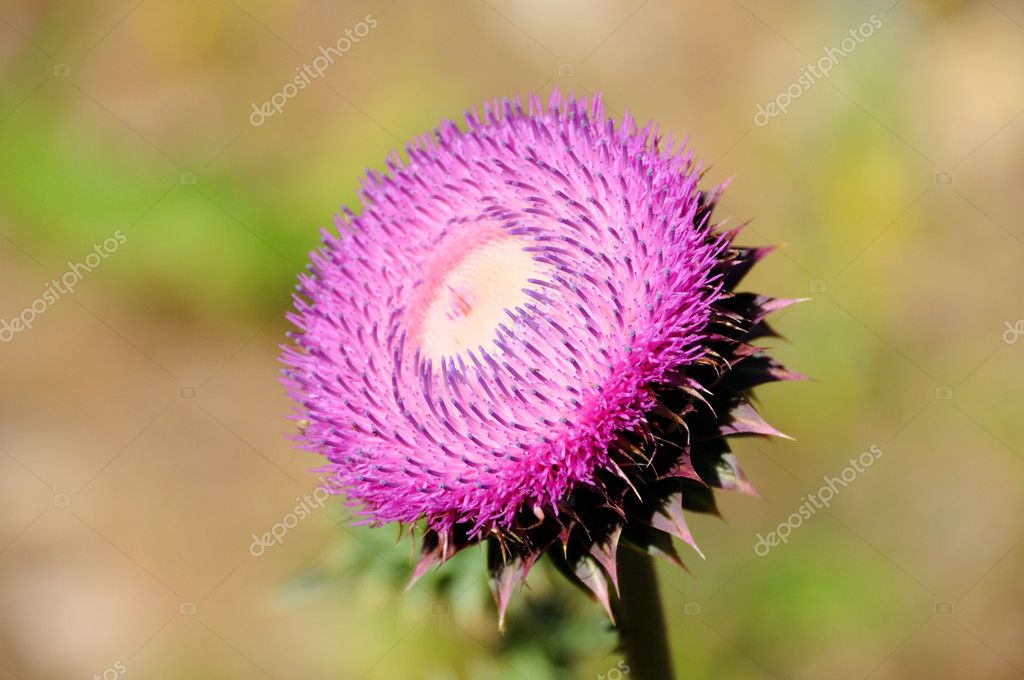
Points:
(669, 519)
(745, 420)
(605, 553)
(589, 573)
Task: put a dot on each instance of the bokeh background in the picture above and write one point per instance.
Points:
(142, 431)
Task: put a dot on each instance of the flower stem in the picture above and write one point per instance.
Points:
(639, 618)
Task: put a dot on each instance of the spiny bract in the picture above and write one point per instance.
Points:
(531, 338)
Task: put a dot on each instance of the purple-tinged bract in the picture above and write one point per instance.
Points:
(531, 337)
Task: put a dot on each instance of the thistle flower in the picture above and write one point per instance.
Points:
(531, 338)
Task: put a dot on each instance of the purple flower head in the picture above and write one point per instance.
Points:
(530, 338)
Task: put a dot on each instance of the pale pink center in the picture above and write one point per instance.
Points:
(469, 284)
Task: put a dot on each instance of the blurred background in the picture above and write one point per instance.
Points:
(161, 183)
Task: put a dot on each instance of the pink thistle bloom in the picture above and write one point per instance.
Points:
(530, 338)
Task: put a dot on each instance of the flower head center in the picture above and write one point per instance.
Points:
(470, 282)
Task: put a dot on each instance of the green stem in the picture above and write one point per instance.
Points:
(638, 616)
